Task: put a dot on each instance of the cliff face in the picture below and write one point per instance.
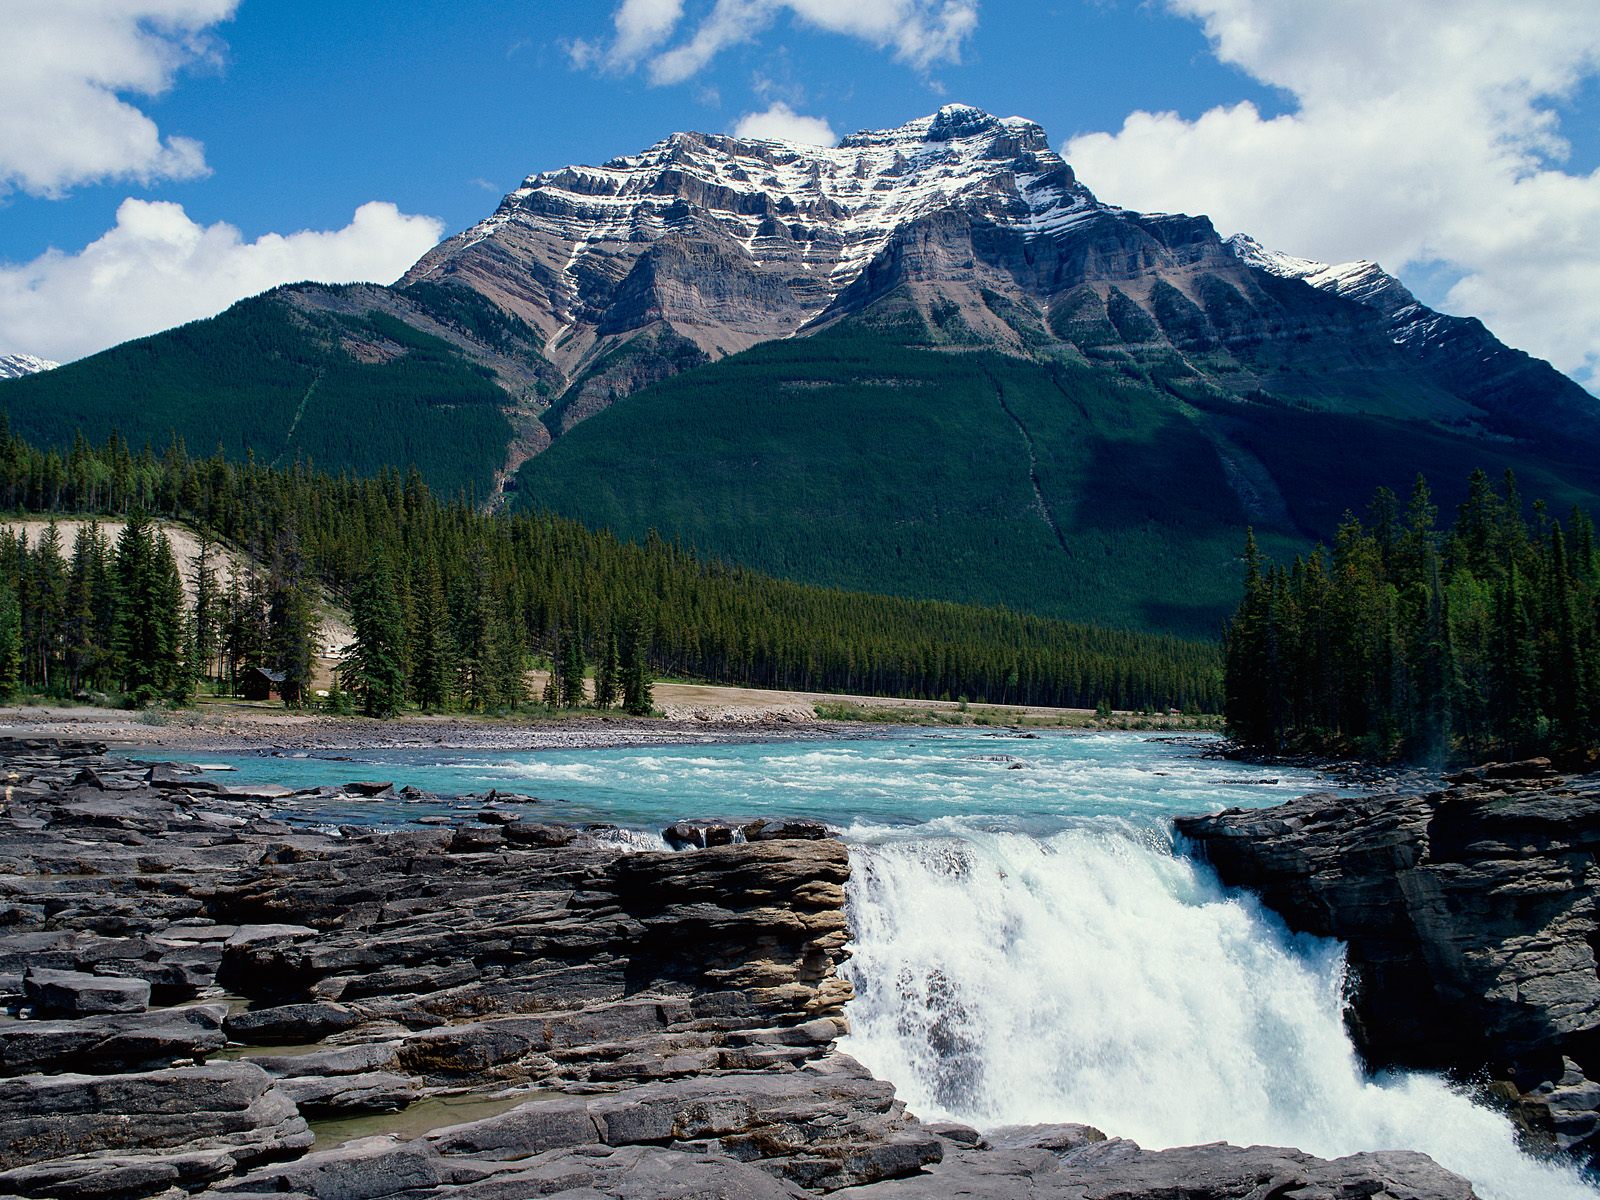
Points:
(636, 1025)
(1471, 920)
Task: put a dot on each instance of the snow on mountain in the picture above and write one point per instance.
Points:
(800, 222)
(15, 366)
(1363, 281)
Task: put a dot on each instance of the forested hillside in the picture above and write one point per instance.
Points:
(313, 373)
(1108, 492)
(1404, 639)
(481, 596)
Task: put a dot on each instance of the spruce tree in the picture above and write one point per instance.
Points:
(638, 698)
(572, 670)
(606, 670)
(10, 641)
(172, 653)
(432, 651)
(373, 668)
(292, 641)
(207, 624)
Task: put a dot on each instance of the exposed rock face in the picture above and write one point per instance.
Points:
(1470, 915)
(1517, 389)
(966, 223)
(649, 1024)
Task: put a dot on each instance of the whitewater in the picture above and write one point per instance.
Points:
(1031, 944)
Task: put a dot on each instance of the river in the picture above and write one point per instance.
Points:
(1030, 943)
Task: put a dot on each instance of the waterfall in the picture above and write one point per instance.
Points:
(1096, 976)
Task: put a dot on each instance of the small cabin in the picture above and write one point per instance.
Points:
(258, 683)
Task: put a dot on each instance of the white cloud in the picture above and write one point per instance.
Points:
(67, 66)
(917, 32)
(157, 268)
(784, 124)
(1421, 133)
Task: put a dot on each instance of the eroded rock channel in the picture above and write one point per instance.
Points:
(196, 990)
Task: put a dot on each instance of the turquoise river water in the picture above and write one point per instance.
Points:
(1030, 943)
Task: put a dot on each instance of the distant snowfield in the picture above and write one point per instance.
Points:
(15, 366)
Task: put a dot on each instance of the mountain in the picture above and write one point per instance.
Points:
(15, 366)
(1461, 349)
(927, 360)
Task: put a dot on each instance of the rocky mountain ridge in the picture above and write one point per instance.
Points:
(15, 366)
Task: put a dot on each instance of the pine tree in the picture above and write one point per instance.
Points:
(373, 668)
(45, 616)
(144, 637)
(507, 658)
(207, 625)
(10, 641)
(606, 671)
(638, 699)
(292, 642)
(1514, 674)
(572, 671)
(432, 652)
(172, 656)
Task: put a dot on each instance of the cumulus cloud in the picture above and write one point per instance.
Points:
(917, 32)
(68, 66)
(785, 125)
(1421, 134)
(157, 268)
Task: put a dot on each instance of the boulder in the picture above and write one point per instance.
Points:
(79, 994)
(370, 1091)
(285, 1023)
(222, 1106)
(117, 1042)
(1115, 1169)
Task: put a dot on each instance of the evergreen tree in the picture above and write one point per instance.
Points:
(174, 653)
(208, 614)
(573, 670)
(606, 672)
(10, 641)
(45, 617)
(292, 641)
(1483, 641)
(507, 659)
(147, 628)
(373, 669)
(432, 652)
(638, 699)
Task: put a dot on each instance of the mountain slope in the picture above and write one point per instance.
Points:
(356, 377)
(1053, 487)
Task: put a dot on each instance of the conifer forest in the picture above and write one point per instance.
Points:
(452, 606)
(1405, 639)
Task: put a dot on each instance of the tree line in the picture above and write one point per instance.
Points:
(457, 603)
(1405, 640)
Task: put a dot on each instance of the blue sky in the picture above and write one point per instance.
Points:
(1243, 109)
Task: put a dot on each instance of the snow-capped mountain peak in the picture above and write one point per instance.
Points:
(807, 219)
(15, 366)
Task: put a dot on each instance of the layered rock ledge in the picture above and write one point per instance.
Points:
(1470, 917)
(202, 998)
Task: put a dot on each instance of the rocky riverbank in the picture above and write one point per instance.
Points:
(205, 1000)
(1470, 915)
